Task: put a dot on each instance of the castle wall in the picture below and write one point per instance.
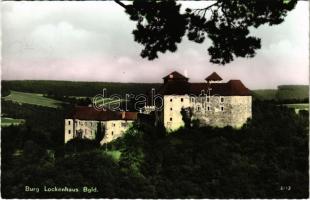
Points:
(217, 111)
(88, 129)
(222, 111)
(68, 130)
(172, 110)
(115, 129)
(242, 110)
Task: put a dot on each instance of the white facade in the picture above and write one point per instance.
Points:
(173, 105)
(88, 128)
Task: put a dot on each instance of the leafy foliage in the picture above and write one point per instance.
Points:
(161, 25)
(269, 152)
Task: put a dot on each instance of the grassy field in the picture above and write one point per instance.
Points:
(298, 106)
(5, 121)
(32, 98)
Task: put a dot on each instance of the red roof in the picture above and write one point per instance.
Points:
(231, 88)
(90, 113)
(177, 84)
(175, 75)
(213, 77)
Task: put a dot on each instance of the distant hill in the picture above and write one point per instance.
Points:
(75, 88)
(284, 92)
(267, 94)
(90, 89)
(292, 92)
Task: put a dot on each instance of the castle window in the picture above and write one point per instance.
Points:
(170, 118)
(69, 122)
(170, 100)
(222, 99)
(222, 108)
(198, 108)
(181, 99)
(208, 99)
(69, 131)
(170, 108)
(208, 108)
(113, 125)
(112, 132)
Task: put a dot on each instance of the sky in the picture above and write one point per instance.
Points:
(93, 41)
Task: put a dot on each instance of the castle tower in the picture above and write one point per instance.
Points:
(214, 78)
(175, 77)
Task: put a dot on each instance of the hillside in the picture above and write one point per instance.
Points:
(284, 92)
(292, 92)
(89, 89)
(267, 94)
(75, 88)
(32, 98)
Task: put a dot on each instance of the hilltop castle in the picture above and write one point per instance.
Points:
(210, 103)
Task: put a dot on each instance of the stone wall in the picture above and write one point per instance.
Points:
(115, 129)
(218, 111)
(222, 111)
(88, 129)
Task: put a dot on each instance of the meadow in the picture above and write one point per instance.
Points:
(7, 121)
(32, 98)
(298, 106)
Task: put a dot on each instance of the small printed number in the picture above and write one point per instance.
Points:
(285, 188)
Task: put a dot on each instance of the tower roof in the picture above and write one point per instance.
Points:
(175, 75)
(213, 77)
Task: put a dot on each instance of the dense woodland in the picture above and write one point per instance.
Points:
(71, 88)
(67, 90)
(267, 158)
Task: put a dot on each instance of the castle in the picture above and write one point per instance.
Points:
(210, 103)
(83, 121)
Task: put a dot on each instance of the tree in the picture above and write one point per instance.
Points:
(187, 114)
(161, 25)
(100, 133)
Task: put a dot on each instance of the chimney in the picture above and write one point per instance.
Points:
(185, 73)
(123, 115)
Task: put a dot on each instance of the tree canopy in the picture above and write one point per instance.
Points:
(161, 25)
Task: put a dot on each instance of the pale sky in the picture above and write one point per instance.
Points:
(92, 41)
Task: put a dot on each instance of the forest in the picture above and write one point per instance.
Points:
(266, 158)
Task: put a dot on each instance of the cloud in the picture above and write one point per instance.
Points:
(93, 41)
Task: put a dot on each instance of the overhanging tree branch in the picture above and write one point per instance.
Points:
(120, 3)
